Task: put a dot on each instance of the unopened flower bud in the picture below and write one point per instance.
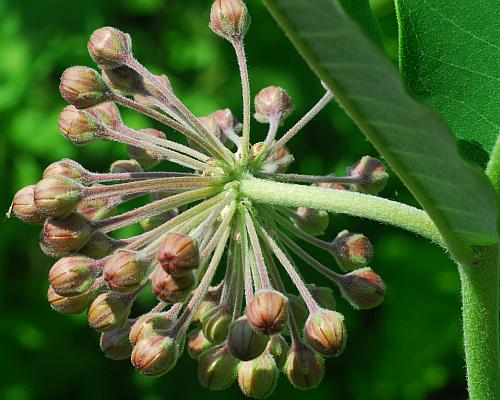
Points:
(258, 378)
(278, 161)
(108, 311)
(61, 236)
(172, 289)
(229, 19)
(78, 126)
(24, 207)
(125, 166)
(331, 185)
(97, 209)
(69, 305)
(213, 127)
(278, 348)
(157, 220)
(304, 368)
(178, 254)
(325, 332)
(123, 80)
(268, 311)
(72, 276)
(155, 356)
(352, 250)
(210, 301)
(57, 196)
(149, 325)
(99, 245)
(217, 368)
(372, 174)
(115, 343)
(215, 324)
(67, 168)
(323, 296)
(108, 114)
(244, 342)
(312, 221)
(109, 47)
(82, 87)
(226, 121)
(197, 343)
(125, 270)
(146, 158)
(272, 103)
(363, 288)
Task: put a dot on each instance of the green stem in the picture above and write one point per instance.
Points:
(342, 201)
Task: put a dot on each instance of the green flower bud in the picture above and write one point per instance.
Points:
(313, 222)
(82, 87)
(217, 368)
(197, 343)
(268, 312)
(69, 305)
(72, 276)
(125, 270)
(24, 207)
(61, 236)
(57, 196)
(125, 166)
(99, 246)
(146, 158)
(155, 356)
(78, 126)
(278, 348)
(67, 168)
(115, 343)
(210, 301)
(258, 378)
(229, 19)
(171, 289)
(244, 342)
(108, 311)
(272, 103)
(158, 220)
(109, 47)
(363, 288)
(351, 250)
(178, 254)
(325, 332)
(215, 324)
(372, 174)
(108, 114)
(323, 296)
(304, 368)
(123, 80)
(149, 325)
(97, 209)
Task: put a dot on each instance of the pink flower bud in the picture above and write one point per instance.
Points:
(178, 254)
(372, 174)
(109, 47)
(82, 87)
(229, 19)
(352, 250)
(268, 312)
(363, 288)
(325, 332)
(272, 103)
(24, 207)
(72, 276)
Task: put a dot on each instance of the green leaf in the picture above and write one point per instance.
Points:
(449, 56)
(413, 139)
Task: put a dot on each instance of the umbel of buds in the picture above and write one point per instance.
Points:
(209, 260)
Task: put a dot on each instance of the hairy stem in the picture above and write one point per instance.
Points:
(245, 84)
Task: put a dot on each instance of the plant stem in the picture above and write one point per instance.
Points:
(245, 85)
(342, 201)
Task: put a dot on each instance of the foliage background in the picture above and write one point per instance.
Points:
(408, 348)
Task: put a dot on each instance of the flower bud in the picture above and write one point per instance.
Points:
(178, 254)
(109, 47)
(268, 312)
(155, 356)
(244, 342)
(258, 378)
(352, 250)
(108, 311)
(97, 209)
(146, 158)
(363, 288)
(125, 270)
(82, 87)
(171, 289)
(150, 95)
(24, 207)
(115, 343)
(304, 368)
(277, 162)
(272, 103)
(67, 168)
(149, 325)
(123, 80)
(108, 114)
(210, 301)
(226, 121)
(325, 332)
(57, 196)
(278, 348)
(78, 126)
(330, 185)
(197, 343)
(216, 368)
(213, 127)
(215, 324)
(372, 174)
(312, 221)
(229, 19)
(99, 245)
(69, 305)
(61, 236)
(323, 296)
(158, 220)
(72, 276)
(125, 166)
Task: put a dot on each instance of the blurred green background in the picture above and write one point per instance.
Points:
(408, 348)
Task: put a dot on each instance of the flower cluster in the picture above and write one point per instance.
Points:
(248, 326)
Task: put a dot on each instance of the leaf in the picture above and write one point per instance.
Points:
(449, 56)
(413, 139)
